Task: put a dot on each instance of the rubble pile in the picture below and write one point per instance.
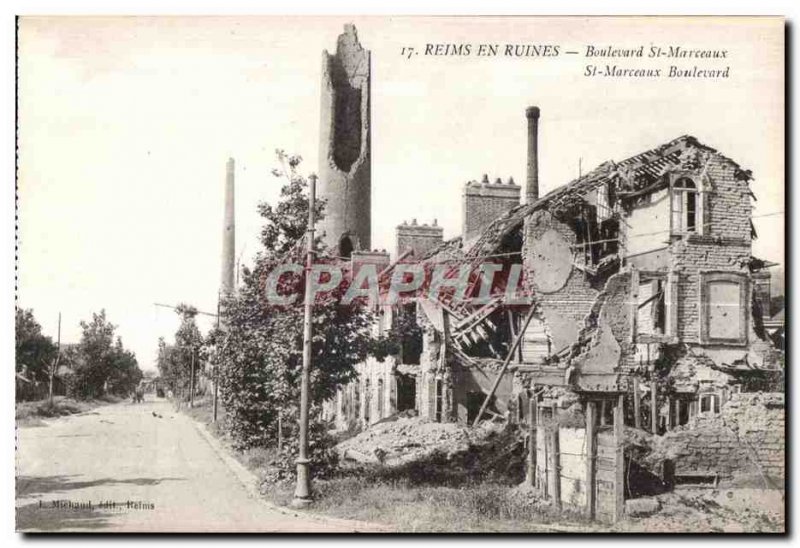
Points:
(717, 510)
(405, 440)
(744, 441)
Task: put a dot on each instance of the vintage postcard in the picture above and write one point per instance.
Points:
(400, 274)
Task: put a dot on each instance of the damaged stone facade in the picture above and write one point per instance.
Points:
(636, 310)
(742, 443)
(604, 315)
(345, 149)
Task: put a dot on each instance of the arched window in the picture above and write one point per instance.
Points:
(686, 216)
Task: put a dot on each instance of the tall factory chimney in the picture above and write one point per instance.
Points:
(228, 233)
(532, 184)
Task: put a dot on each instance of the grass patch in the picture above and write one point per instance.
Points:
(31, 413)
(409, 506)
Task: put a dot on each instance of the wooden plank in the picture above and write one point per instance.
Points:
(619, 483)
(602, 412)
(532, 438)
(507, 360)
(590, 458)
(555, 475)
(637, 404)
(653, 406)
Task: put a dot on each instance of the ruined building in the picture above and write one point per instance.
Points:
(344, 171)
(636, 304)
(640, 307)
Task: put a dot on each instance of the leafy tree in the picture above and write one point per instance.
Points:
(100, 363)
(174, 361)
(259, 351)
(125, 373)
(35, 352)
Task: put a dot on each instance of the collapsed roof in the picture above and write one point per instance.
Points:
(633, 177)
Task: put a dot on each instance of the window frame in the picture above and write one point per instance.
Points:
(715, 403)
(680, 195)
(706, 279)
(669, 285)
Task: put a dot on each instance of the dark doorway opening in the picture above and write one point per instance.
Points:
(345, 247)
(406, 392)
(439, 401)
(474, 402)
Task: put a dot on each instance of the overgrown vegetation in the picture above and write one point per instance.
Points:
(259, 351)
(99, 365)
(175, 361)
(35, 355)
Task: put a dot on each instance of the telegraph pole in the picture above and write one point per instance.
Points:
(216, 369)
(55, 362)
(191, 381)
(302, 493)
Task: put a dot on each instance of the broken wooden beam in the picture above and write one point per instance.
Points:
(506, 361)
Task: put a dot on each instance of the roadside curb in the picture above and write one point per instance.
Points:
(250, 482)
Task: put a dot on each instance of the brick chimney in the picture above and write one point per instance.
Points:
(484, 202)
(378, 257)
(420, 238)
(532, 183)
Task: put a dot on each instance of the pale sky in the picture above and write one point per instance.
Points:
(125, 125)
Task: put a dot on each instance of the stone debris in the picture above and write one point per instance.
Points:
(744, 440)
(406, 440)
(718, 510)
(645, 506)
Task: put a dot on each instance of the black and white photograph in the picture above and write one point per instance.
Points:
(400, 274)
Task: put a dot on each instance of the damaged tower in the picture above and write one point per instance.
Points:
(344, 171)
(228, 234)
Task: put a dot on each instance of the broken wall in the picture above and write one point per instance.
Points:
(563, 292)
(648, 225)
(742, 443)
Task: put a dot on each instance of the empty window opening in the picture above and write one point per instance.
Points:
(684, 206)
(406, 392)
(345, 247)
(709, 403)
(651, 315)
(411, 335)
(380, 398)
(681, 412)
(367, 401)
(474, 403)
(357, 400)
(438, 404)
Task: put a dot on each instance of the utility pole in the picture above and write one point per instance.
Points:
(216, 370)
(55, 362)
(302, 493)
(220, 350)
(191, 382)
(193, 351)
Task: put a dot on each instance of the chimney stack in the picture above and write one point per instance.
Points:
(532, 185)
(228, 234)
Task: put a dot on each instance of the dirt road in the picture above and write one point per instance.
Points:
(140, 467)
